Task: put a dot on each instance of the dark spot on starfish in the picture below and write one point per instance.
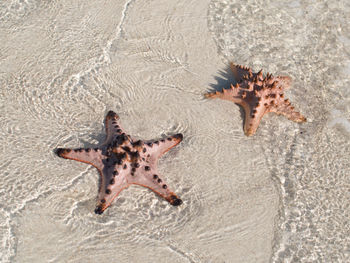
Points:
(121, 138)
(120, 157)
(156, 142)
(162, 140)
(272, 102)
(134, 155)
(119, 130)
(147, 168)
(80, 149)
(164, 186)
(76, 150)
(103, 201)
(115, 173)
(150, 144)
(132, 174)
(155, 176)
(259, 99)
(281, 95)
(116, 126)
(125, 166)
(137, 143)
(265, 104)
(159, 180)
(257, 104)
(169, 139)
(126, 148)
(108, 191)
(60, 151)
(253, 116)
(88, 150)
(175, 201)
(111, 114)
(178, 136)
(148, 155)
(133, 169)
(273, 96)
(144, 150)
(112, 181)
(98, 210)
(136, 165)
(96, 149)
(254, 111)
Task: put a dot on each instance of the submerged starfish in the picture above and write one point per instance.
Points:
(122, 161)
(258, 95)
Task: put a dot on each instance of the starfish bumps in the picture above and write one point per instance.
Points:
(121, 161)
(258, 95)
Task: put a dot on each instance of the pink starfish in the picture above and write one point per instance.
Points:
(258, 95)
(122, 161)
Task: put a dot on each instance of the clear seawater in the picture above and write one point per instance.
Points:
(282, 195)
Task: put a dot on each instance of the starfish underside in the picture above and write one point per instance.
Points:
(258, 95)
(122, 161)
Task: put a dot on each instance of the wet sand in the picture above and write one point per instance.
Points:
(278, 196)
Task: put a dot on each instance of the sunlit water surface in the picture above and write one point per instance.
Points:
(281, 195)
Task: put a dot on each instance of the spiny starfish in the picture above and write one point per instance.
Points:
(122, 161)
(258, 95)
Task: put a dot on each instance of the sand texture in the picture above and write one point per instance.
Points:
(281, 195)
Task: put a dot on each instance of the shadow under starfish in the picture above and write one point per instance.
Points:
(258, 95)
(121, 161)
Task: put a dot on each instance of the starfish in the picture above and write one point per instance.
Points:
(122, 161)
(258, 95)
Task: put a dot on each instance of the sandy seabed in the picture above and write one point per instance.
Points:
(279, 196)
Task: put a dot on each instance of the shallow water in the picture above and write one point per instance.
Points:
(281, 195)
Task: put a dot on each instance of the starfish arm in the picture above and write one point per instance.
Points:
(154, 181)
(84, 155)
(252, 119)
(288, 110)
(231, 94)
(157, 148)
(112, 183)
(113, 127)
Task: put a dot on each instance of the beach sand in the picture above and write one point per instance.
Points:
(281, 195)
